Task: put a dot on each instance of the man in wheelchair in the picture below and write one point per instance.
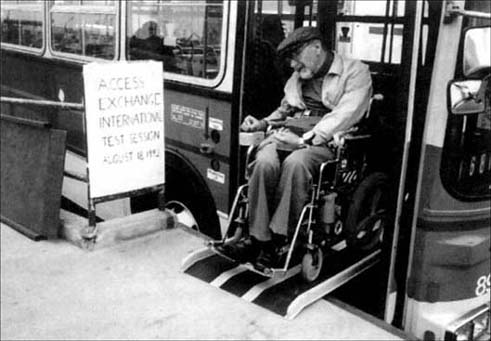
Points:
(326, 94)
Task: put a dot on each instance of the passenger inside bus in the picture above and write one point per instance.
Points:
(147, 44)
(326, 89)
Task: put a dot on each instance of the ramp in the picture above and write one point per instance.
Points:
(286, 296)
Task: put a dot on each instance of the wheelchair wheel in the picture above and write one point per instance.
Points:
(312, 264)
(367, 213)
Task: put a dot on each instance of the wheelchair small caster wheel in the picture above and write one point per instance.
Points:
(312, 264)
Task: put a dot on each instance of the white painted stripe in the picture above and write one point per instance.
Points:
(225, 276)
(256, 290)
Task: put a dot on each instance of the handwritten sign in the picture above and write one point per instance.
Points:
(124, 107)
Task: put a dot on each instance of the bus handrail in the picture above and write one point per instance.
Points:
(26, 121)
(63, 105)
(453, 10)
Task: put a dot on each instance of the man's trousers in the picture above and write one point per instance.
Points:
(279, 190)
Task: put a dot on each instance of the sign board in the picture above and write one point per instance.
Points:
(124, 108)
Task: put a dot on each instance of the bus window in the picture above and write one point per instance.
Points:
(85, 28)
(365, 41)
(370, 30)
(22, 23)
(185, 35)
(466, 158)
(371, 7)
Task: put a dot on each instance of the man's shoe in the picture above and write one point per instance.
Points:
(272, 255)
(245, 250)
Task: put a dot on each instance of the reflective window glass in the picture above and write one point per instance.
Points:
(365, 41)
(22, 23)
(269, 7)
(185, 35)
(371, 7)
(371, 30)
(77, 31)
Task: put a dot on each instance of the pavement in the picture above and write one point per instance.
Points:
(54, 290)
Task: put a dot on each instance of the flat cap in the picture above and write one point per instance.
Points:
(297, 38)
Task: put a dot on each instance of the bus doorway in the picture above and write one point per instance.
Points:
(381, 34)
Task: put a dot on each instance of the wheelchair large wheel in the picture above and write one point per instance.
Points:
(367, 214)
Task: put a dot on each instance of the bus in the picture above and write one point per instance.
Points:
(220, 65)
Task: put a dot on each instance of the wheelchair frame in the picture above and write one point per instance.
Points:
(347, 175)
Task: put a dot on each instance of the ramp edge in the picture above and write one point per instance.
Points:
(324, 288)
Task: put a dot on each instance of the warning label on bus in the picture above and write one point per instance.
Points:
(188, 116)
(125, 126)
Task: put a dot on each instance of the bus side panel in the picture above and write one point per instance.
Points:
(35, 77)
(186, 117)
(451, 255)
(27, 79)
(23, 74)
(448, 265)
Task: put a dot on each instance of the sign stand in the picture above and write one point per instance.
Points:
(91, 232)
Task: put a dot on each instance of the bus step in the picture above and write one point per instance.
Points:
(286, 295)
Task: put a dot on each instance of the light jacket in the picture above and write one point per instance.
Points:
(346, 91)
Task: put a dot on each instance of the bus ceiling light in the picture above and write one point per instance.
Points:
(472, 326)
(452, 10)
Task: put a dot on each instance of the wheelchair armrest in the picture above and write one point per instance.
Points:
(252, 138)
(354, 137)
(320, 178)
(251, 153)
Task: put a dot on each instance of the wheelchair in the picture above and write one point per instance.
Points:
(347, 207)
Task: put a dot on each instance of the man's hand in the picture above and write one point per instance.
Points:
(288, 139)
(253, 124)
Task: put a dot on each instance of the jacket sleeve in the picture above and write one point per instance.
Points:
(291, 102)
(350, 108)
(281, 112)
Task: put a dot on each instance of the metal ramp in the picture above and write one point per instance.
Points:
(286, 295)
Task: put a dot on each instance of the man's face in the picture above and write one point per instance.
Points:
(307, 59)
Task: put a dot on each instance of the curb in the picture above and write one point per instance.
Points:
(111, 232)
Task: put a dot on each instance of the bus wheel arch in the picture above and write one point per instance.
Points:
(186, 195)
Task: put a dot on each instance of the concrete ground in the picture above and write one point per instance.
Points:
(135, 290)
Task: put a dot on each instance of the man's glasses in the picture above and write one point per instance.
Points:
(295, 55)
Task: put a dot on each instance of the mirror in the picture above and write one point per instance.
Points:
(477, 56)
(465, 97)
